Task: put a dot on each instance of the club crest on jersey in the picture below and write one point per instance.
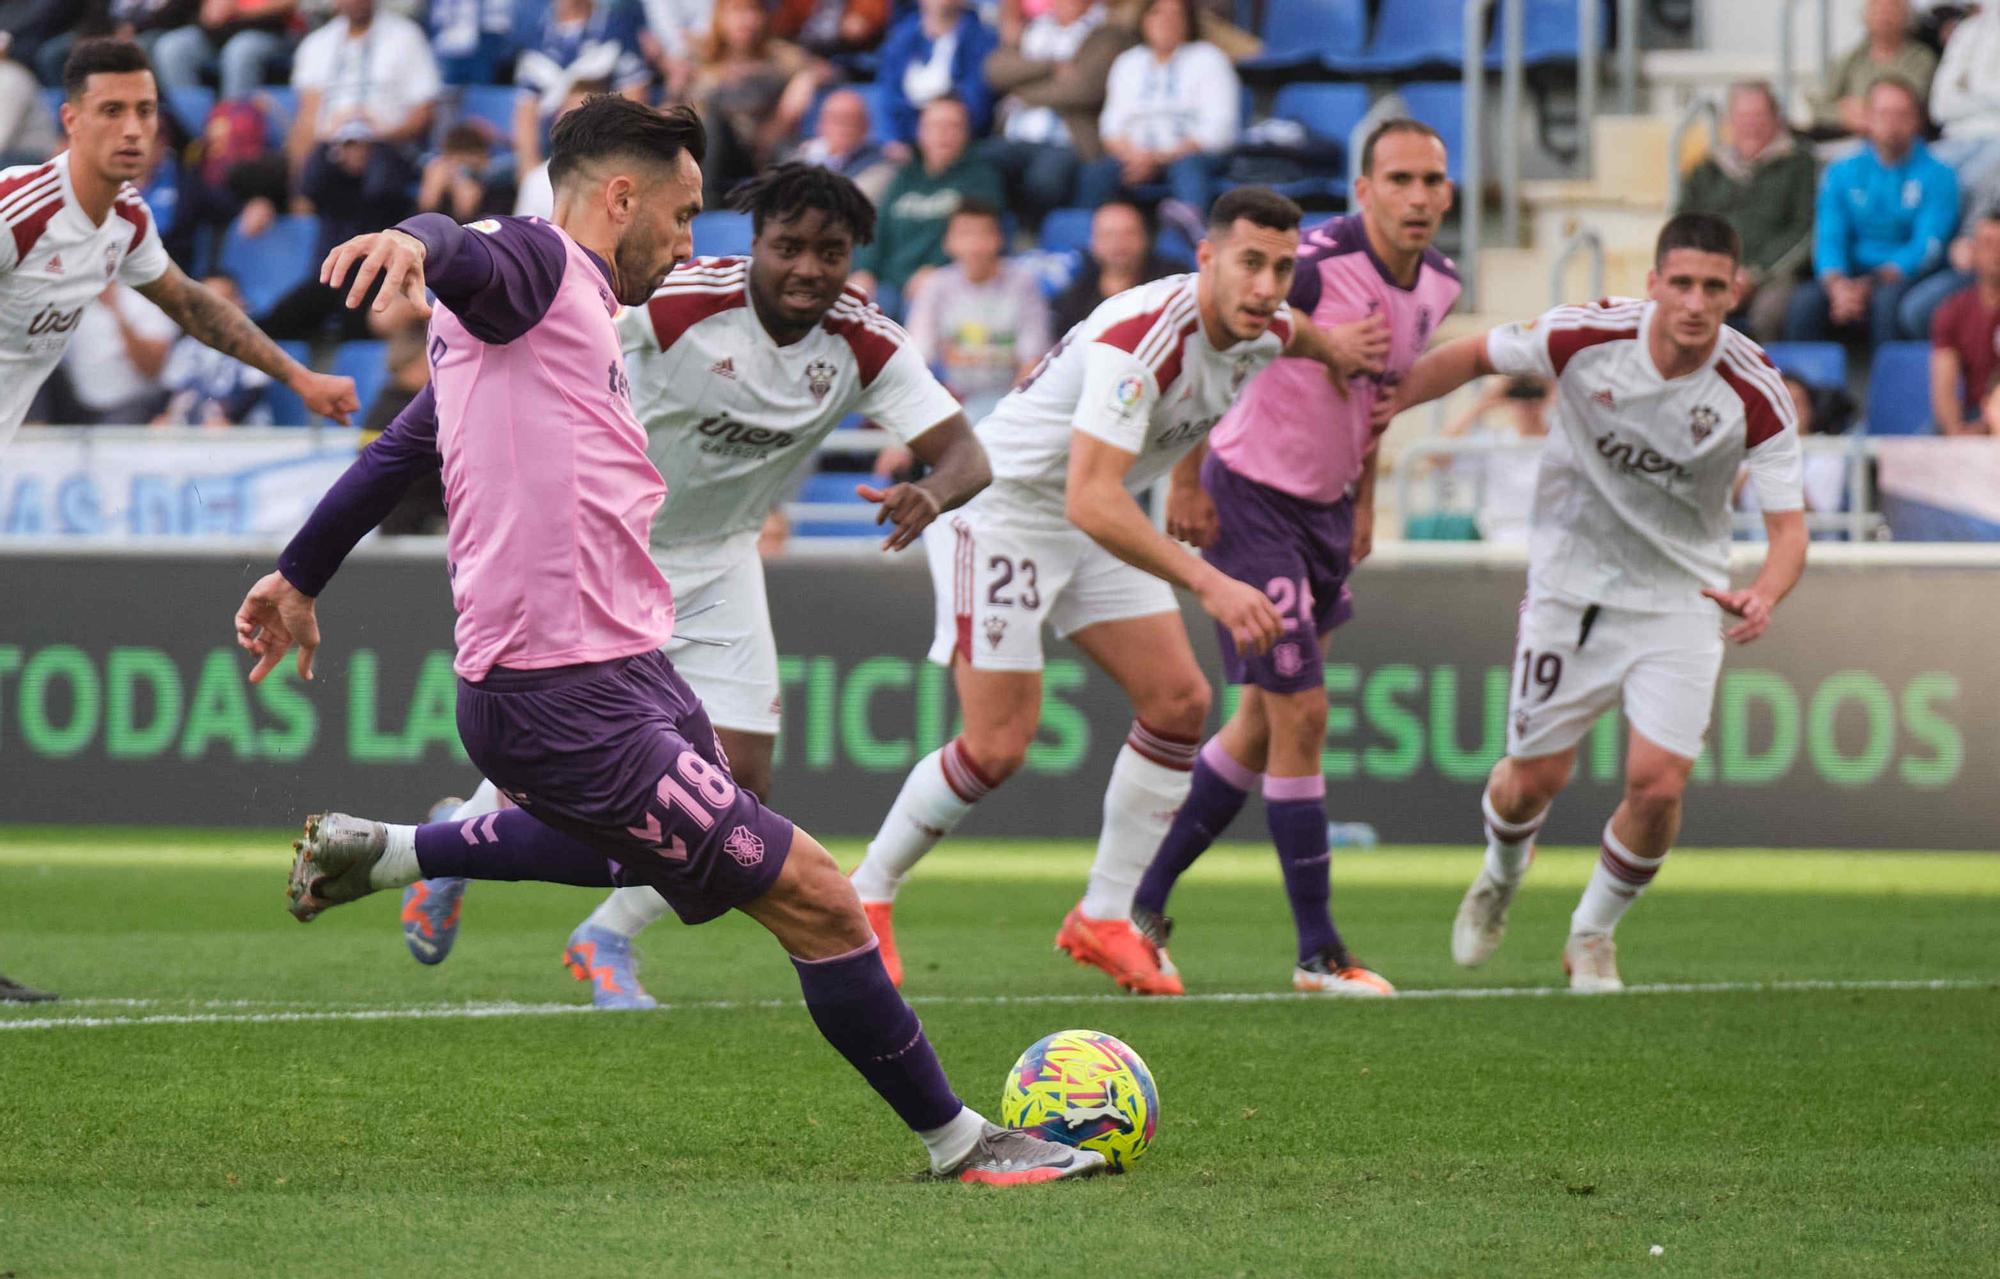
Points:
(819, 379)
(1287, 659)
(745, 845)
(1423, 326)
(1703, 422)
(996, 630)
(111, 257)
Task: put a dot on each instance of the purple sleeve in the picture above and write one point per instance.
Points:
(499, 283)
(1307, 284)
(365, 492)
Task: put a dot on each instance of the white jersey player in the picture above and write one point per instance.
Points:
(1659, 406)
(1060, 539)
(739, 368)
(71, 227)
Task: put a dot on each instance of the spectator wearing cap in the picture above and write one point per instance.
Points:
(980, 321)
(841, 142)
(244, 41)
(1172, 107)
(1762, 182)
(939, 49)
(1053, 71)
(1884, 217)
(1965, 338)
(911, 221)
(1120, 257)
(1888, 49)
(574, 40)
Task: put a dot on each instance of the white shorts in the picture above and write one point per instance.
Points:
(998, 578)
(1567, 674)
(723, 644)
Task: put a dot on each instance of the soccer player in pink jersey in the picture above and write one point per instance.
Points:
(1285, 501)
(565, 700)
(1628, 563)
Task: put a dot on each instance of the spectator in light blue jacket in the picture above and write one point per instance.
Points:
(939, 49)
(1885, 217)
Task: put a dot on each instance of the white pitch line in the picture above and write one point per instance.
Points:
(455, 1012)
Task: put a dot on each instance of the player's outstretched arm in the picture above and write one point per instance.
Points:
(1347, 350)
(1443, 370)
(958, 470)
(216, 321)
(1098, 503)
(1784, 565)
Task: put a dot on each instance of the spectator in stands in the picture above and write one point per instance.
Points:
(234, 167)
(462, 180)
(572, 40)
(356, 183)
(910, 225)
(1821, 411)
(671, 41)
(1508, 409)
(243, 40)
(141, 21)
(1171, 109)
(473, 40)
(831, 28)
(841, 142)
(981, 321)
(533, 196)
(1888, 49)
(1965, 338)
(1885, 215)
(752, 90)
(939, 49)
(206, 387)
(420, 511)
(1965, 100)
(115, 360)
(1762, 181)
(1121, 257)
(28, 133)
(30, 24)
(1053, 72)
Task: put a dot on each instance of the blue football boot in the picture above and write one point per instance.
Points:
(604, 959)
(431, 906)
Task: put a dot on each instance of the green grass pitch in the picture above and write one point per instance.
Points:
(292, 1102)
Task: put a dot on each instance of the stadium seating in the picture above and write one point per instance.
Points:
(1330, 111)
(287, 409)
(281, 103)
(1441, 106)
(721, 233)
(836, 488)
(368, 364)
(1899, 390)
(491, 105)
(1299, 34)
(1409, 35)
(190, 107)
(1814, 363)
(1548, 33)
(267, 267)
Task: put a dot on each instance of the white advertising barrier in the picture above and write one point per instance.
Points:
(158, 482)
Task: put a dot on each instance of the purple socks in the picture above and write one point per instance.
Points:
(509, 845)
(1216, 795)
(856, 1007)
(1296, 810)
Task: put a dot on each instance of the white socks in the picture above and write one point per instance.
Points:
(1510, 846)
(628, 911)
(935, 798)
(1615, 883)
(950, 1144)
(397, 866)
(487, 799)
(1149, 782)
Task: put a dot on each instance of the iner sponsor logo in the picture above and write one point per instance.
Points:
(1638, 459)
(51, 320)
(731, 438)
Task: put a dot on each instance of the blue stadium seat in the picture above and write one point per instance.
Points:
(367, 363)
(1066, 231)
(836, 488)
(721, 233)
(281, 104)
(1548, 33)
(287, 409)
(1814, 363)
(1441, 106)
(1301, 33)
(877, 97)
(190, 106)
(267, 267)
(491, 105)
(1329, 110)
(1899, 390)
(53, 100)
(1409, 34)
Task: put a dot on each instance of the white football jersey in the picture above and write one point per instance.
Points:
(53, 262)
(1138, 373)
(1632, 500)
(731, 414)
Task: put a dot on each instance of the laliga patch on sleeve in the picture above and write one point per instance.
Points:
(1126, 395)
(486, 226)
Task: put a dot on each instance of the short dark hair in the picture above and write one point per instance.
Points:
(974, 206)
(464, 136)
(1903, 83)
(1260, 205)
(1394, 125)
(1702, 232)
(1760, 88)
(783, 191)
(609, 125)
(105, 55)
(1188, 7)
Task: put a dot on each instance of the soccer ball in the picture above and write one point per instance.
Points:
(1087, 1089)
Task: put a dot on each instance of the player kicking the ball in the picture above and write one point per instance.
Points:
(739, 368)
(1060, 539)
(1628, 563)
(1286, 502)
(565, 700)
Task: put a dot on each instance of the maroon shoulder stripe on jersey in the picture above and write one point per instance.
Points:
(872, 336)
(1169, 368)
(1762, 417)
(674, 311)
(1565, 342)
(129, 206)
(20, 182)
(27, 225)
(1131, 334)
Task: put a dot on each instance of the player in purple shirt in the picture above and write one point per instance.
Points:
(1286, 503)
(565, 701)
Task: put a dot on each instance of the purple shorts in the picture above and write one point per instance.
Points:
(1297, 551)
(621, 755)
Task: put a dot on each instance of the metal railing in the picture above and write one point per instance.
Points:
(1787, 58)
(1705, 105)
(1588, 241)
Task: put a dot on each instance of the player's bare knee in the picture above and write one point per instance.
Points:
(1656, 793)
(998, 753)
(1522, 788)
(1179, 706)
(812, 909)
(1298, 719)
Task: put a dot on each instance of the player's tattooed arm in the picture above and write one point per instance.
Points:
(958, 471)
(217, 322)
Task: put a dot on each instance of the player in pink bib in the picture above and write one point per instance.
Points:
(1286, 503)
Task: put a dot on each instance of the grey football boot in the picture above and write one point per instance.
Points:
(330, 864)
(1013, 1157)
